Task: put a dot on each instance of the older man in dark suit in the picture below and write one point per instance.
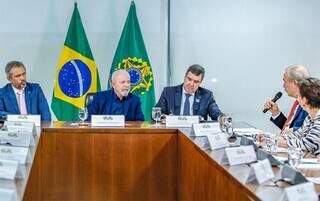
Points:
(189, 98)
(292, 75)
(118, 100)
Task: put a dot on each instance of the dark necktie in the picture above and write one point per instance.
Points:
(186, 107)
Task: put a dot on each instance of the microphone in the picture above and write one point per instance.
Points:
(275, 98)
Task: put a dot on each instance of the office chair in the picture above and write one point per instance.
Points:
(89, 98)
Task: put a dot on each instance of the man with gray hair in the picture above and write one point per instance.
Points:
(20, 96)
(292, 75)
(118, 100)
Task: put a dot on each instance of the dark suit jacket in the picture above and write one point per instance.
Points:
(203, 104)
(36, 102)
(102, 102)
(296, 122)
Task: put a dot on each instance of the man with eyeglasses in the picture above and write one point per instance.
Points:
(20, 96)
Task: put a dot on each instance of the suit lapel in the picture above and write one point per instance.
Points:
(126, 105)
(12, 99)
(108, 105)
(27, 94)
(196, 102)
(299, 109)
(177, 100)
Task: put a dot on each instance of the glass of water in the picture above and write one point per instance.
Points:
(156, 115)
(83, 115)
(226, 124)
(294, 156)
(271, 142)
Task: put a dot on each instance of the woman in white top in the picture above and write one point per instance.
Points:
(306, 137)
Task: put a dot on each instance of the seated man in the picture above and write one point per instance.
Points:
(21, 97)
(307, 137)
(189, 98)
(118, 100)
(292, 75)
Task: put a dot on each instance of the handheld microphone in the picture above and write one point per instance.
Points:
(275, 98)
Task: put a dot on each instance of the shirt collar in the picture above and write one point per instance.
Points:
(184, 91)
(17, 90)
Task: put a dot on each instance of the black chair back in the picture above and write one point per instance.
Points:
(89, 98)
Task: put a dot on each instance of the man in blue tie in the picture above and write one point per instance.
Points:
(118, 100)
(189, 98)
(20, 96)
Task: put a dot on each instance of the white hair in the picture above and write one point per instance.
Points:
(297, 72)
(116, 73)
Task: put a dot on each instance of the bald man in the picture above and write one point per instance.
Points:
(118, 100)
(292, 75)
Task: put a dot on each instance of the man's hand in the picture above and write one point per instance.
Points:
(273, 107)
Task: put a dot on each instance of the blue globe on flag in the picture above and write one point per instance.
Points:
(74, 78)
(135, 76)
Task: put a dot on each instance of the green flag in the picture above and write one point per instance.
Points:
(76, 73)
(132, 56)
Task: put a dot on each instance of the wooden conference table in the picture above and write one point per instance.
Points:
(137, 162)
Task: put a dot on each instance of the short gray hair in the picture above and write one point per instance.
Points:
(297, 72)
(13, 64)
(196, 69)
(118, 72)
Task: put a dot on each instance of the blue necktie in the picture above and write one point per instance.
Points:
(186, 107)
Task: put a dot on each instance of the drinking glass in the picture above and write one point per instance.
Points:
(156, 115)
(83, 115)
(226, 124)
(271, 142)
(294, 156)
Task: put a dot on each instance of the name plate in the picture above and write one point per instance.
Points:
(107, 120)
(23, 127)
(181, 121)
(260, 171)
(11, 170)
(205, 129)
(304, 191)
(218, 141)
(8, 195)
(16, 139)
(36, 119)
(20, 154)
(240, 155)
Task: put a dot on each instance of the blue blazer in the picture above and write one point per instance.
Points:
(102, 102)
(36, 102)
(203, 104)
(297, 121)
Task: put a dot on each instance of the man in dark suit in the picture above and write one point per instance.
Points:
(292, 75)
(189, 98)
(21, 97)
(118, 100)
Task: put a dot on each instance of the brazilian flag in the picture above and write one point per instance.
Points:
(132, 56)
(76, 73)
